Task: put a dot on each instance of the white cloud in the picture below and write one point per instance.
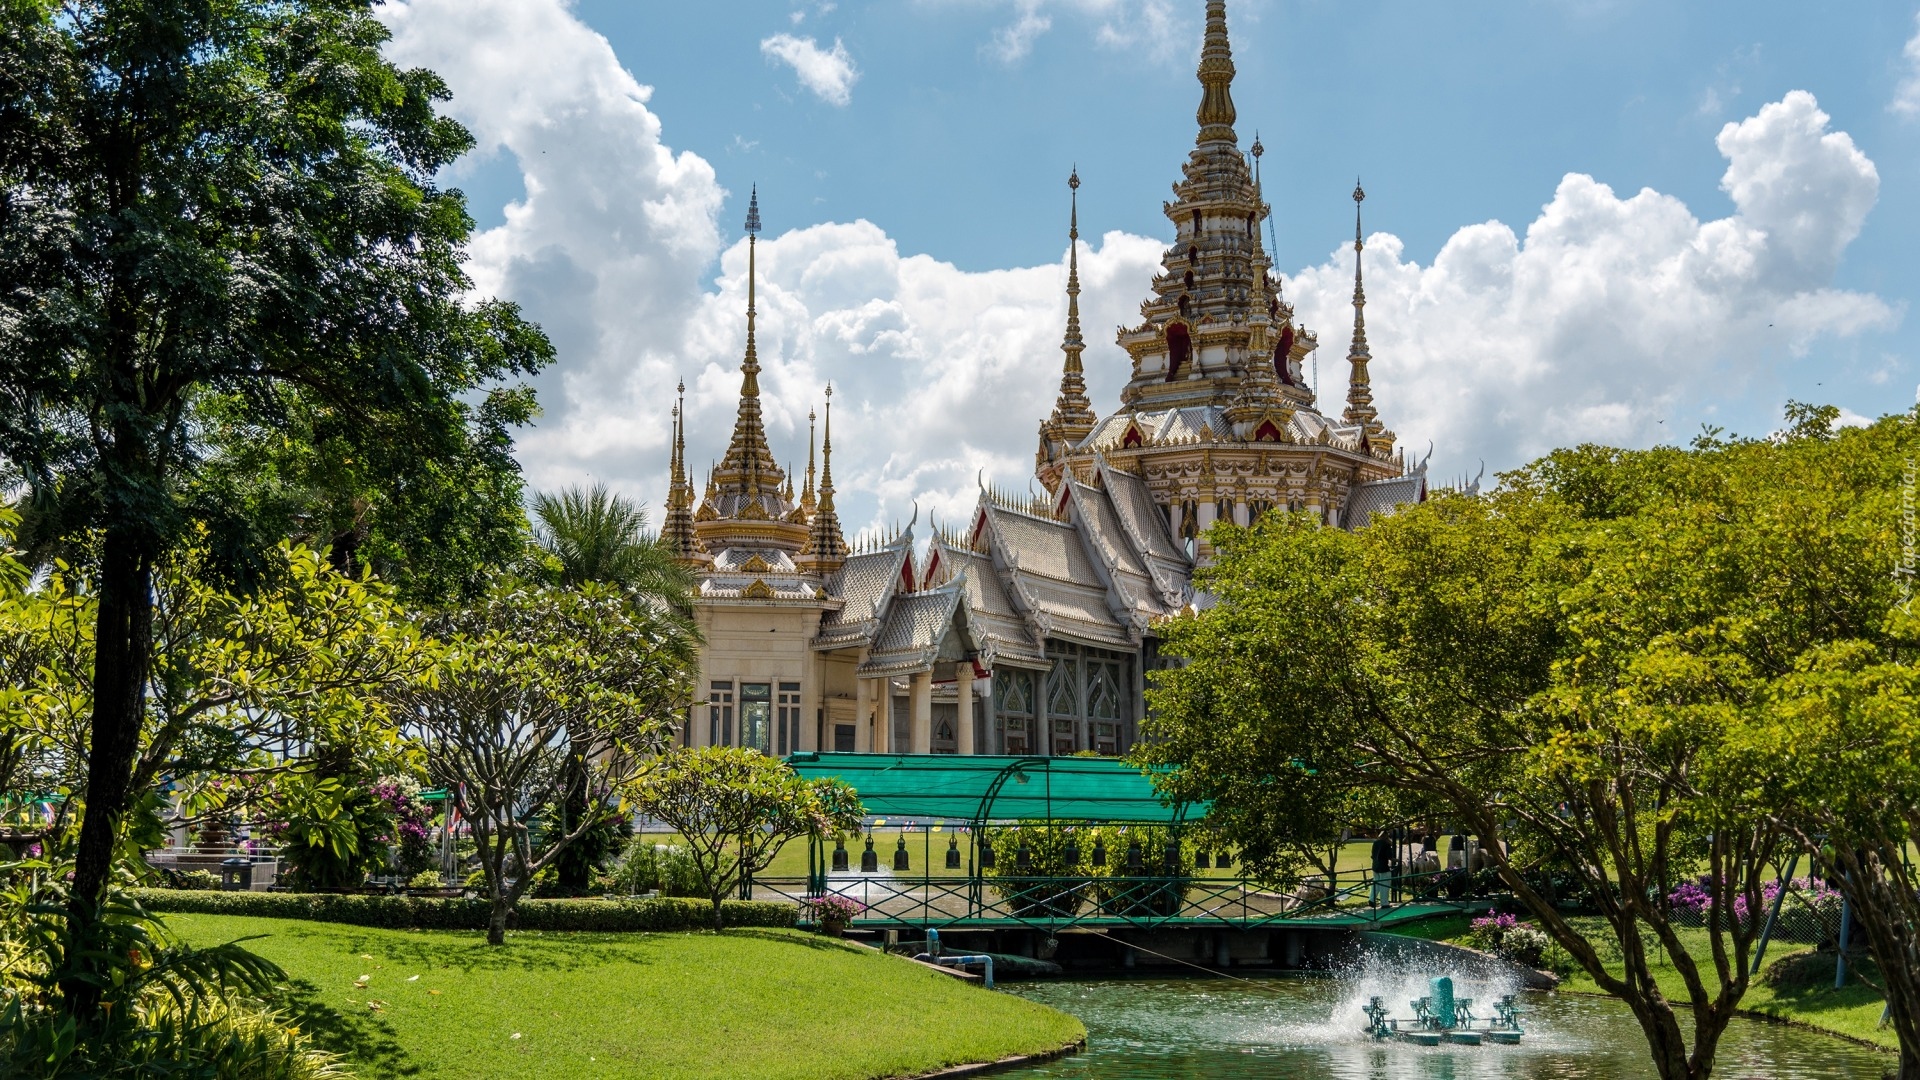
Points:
(1612, 313)
(1607, 314)
(607, 248)
(1906, 97)
(829, 73)
(1153, 26)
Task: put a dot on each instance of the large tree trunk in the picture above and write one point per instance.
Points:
(123, 653)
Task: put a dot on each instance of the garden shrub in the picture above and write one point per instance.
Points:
(1062, 874)
(648, 867)
(445, 913)
(199, 880)
(425, 879)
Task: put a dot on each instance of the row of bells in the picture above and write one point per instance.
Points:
(1023, 856)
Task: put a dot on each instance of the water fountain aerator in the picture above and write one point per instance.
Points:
(1440, 1017)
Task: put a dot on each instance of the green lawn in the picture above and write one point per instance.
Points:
(1797, 985)
(746, 1003)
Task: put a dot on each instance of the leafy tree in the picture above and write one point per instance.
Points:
(228, 197)
(531, 679)
(243, 686)
(1567, 665)
(591, 535)
(737, 808)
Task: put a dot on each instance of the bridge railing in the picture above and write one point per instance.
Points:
(1042, 902)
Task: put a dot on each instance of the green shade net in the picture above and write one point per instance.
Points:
(986, 788)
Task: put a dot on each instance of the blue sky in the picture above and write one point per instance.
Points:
(911, 158)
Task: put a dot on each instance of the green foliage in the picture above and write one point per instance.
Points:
(229, 199)
(737, 807)
(594, 535)
(199, 881)
(1573, 665)
(444, 913)
(425, 879)
(648, 866)
(540, 691)
(165, 1006)
(1061, 874)
(334, 832)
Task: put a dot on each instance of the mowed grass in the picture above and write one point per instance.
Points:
(742, 1004)
(1796, 985)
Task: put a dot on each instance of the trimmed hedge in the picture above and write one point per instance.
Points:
(438, 913)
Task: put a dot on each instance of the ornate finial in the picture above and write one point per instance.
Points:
(1073, 417)
(1216, 113)
(676, 530)
(1360, 408)
(753, 212)
(1359, 196)
(826, 547)
(807, 499)
(748, 474)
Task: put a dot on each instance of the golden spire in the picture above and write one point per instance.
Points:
(676, 532)
(1359, 385)
(1073, 417)
(1216, 114)
(826, 548)
(748, 472)
(807, 501)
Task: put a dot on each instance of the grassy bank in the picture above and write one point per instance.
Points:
(746, 1003)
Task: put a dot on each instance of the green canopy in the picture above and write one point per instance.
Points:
(987, 788)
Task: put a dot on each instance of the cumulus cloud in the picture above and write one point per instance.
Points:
(1906, 97)
(829, 73)
(1591, 323)
(607, 248)
(1611, 311)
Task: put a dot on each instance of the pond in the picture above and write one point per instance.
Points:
(1210, 1029)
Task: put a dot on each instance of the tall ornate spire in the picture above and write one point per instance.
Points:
(807, 501)
(748, 472)
(1073, 417)
(826, 548)
(1259, 412)
(1359, 384)
(676, 532)
(1216, 114)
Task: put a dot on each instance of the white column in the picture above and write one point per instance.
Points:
(1173, 518)
(920, 729)
(863, 715)
(1240, 511)
(963, 683)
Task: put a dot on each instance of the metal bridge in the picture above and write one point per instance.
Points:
(1058, 844)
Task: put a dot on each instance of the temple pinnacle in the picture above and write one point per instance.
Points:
(1216, 113)
(1359, 409)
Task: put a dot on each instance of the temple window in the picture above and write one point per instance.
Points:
(1179, 346)
(1189, 281)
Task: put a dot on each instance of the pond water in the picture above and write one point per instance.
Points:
(1210, 1029)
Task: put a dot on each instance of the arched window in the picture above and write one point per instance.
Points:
(1186, 306)
(1189, 281)
(1196, 223)
(1282, 354)
(1193, 255)
(1179, 348)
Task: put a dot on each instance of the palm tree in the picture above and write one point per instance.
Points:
(596, 535)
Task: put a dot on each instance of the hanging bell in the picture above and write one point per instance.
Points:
(953, 853)
(1172, 853)
(900, 854)
(1071, 853)
(986, 855)
(1023, 858)
(869, 862)
(1134, 862)
(839, 854)
(1200, 859)
(1099, 851)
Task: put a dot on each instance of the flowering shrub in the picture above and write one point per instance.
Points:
(1488, 931)
(1696, 898)
(412, 823)
(836, 908)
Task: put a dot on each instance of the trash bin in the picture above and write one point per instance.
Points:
(236, 874)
